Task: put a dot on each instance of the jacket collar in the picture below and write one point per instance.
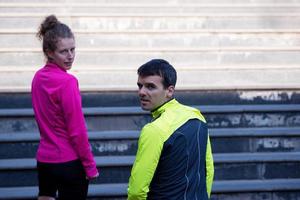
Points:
(158, 111)
(54, 66)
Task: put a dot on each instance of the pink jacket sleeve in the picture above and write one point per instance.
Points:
(72, 109)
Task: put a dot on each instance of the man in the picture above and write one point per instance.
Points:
(174, 159)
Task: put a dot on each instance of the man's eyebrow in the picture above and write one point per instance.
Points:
(150, 84)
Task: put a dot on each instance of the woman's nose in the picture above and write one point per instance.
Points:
(70, 54)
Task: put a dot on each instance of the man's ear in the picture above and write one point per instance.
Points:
(170, 91)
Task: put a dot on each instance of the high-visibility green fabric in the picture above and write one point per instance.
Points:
(167, 119)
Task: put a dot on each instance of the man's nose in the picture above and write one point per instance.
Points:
(141, 91)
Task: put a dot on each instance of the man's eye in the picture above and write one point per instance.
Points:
(151, 87)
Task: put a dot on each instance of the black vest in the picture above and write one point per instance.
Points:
(181, 170)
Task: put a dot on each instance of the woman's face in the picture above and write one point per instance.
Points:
(64, 54)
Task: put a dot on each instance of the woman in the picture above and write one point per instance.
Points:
(64, 159)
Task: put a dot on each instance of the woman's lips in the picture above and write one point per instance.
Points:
(68, 63)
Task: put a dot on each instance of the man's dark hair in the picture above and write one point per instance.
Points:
(161, 68)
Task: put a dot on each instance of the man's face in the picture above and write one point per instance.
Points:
(152, 93)
(64, 54)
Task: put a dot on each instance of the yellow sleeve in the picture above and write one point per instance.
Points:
(209, 167)
(150, 145)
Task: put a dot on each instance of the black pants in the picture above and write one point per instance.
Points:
(68, 179)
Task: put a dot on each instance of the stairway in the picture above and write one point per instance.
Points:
(227, 43)
(256, 144)
(237, 60)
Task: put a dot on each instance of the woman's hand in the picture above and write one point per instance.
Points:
(92, 177)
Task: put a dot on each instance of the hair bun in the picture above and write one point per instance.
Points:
(49, 23)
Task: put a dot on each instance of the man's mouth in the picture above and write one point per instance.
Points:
(144, 100)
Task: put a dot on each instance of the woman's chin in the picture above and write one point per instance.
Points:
(68, 67)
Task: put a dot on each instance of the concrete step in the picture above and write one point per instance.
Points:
(218, 68)
(221, 190)
(23, 59)
(122, 22)
(116, 169)
(157, 1)
(142, 8)
(116, 143)
(133, 118)
(98, 190)
(159, 40)
(187, 97)
(33, 30)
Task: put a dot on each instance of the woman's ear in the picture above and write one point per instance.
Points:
(170, 91)
(49, 54)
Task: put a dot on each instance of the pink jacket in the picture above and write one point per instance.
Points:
(56, 102)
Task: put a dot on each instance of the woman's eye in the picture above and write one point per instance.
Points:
(63, 52)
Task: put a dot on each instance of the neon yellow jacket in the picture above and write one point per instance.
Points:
(167, 119)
